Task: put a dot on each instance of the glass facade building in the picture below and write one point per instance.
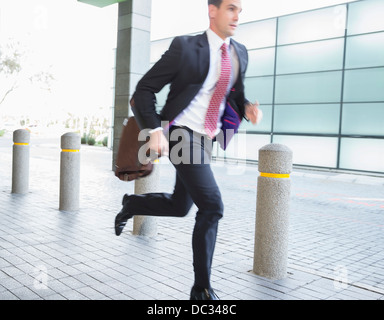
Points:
(319, 77)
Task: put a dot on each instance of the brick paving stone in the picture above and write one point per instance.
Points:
(91, 293)
(7, 295)
(330, 231)
(55, 297)
(24, 293)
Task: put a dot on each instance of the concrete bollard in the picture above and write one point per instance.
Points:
(147, 225)
(272, 212)
(70, 172)
(20, 161)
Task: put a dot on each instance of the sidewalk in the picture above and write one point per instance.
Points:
(336, 248)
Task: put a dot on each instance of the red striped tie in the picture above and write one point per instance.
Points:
(219, 93)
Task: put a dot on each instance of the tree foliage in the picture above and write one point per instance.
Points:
(11, 67)
(10, 59)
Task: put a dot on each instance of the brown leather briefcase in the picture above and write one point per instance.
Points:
(128, 166)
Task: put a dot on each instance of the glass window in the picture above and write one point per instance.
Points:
(254, 143)
(264, 126)
(307, 57)
(237, 148)
(364, 85)
(261, 62)
(363, 119)
(319, 118)
(362, 154)
(161, 97)
(309, 88)
(365, 51)
(258, 34)
(311, 151)
(313, 25)
(260, 89)
(244, 146)
(366, 16)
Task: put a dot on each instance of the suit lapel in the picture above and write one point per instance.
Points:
(202, 52)
(241, 55)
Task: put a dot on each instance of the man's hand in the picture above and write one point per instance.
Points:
(158, 143)
(253, 113)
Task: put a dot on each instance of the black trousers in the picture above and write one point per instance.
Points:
(190, 153)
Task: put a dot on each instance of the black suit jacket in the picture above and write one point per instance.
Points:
(185, 66)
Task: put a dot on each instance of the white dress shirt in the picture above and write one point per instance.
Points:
(193, 116)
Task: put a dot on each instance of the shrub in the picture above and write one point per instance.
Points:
(91, 141)
(105, 141)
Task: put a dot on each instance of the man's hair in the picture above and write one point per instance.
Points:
(216, 3)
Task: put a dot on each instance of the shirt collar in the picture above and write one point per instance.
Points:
(215, 42)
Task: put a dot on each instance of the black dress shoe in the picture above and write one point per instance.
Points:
(203, 294)
(122, 217)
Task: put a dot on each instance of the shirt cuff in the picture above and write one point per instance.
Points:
(156, 129)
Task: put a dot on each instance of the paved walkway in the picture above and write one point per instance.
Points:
(336, 242)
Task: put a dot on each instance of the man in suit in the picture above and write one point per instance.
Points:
(206, 75)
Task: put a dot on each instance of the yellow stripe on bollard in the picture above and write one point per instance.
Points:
(69, 150)
(274, 175)
(21, 144)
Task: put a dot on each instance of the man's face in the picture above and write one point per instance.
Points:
(224, 20)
